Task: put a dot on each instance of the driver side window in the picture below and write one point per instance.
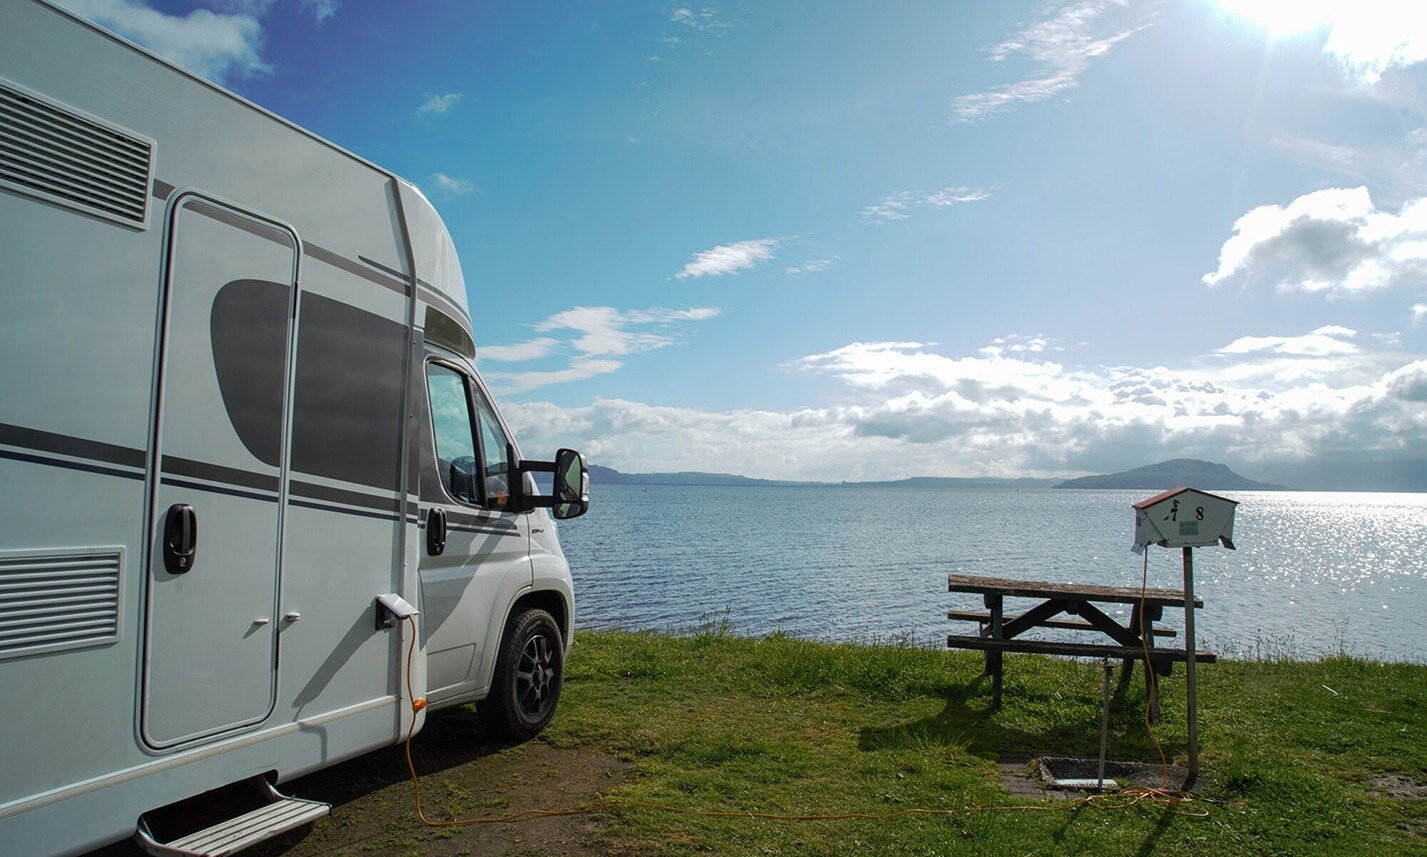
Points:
(493, 440)
(451, 423)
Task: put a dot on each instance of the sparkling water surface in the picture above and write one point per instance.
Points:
(1314, 573)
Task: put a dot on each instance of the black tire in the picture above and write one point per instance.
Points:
(529, 670)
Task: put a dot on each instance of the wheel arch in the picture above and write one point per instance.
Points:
(552, 601)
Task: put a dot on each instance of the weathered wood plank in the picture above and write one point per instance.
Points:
(1076, 591)
(1066, 624)
(1086, 650)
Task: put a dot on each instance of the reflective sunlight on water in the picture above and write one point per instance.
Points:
(1314, 573)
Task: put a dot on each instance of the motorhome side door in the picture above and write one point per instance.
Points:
(219, 475)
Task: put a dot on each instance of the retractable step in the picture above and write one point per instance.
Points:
(164, 833)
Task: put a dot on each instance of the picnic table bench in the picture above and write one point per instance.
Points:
(1129, 642)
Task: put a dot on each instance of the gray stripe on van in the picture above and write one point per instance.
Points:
(63, 444)
(392, 505)
(252, 227)
(322, 254)
(218, 473)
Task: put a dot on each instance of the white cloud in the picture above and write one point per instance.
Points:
(605, 330)
(322, 10)
(440, 103)
(1377, 35)
(1408, 383)
(578, 370)
(729, 258)
(955, 195)
(812, 266)
(891, 207)
(705, 19)
(899, 205)
(1332, 240)
(530, 350)
(914, 411)
(1016, 343)
(604, 333)
(451, 186)
(1397, 167)
(1063, 44)
(206, 43)
(1327, 340)
(1419, 312)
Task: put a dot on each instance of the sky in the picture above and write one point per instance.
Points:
(852, 241)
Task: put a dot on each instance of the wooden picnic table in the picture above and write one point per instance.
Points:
(1129, 642)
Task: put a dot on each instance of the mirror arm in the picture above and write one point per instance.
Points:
(520, 501)
(526, 502)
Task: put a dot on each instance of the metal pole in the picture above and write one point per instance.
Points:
(1104, 723)
(1189, 650)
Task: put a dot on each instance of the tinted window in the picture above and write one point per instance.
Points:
(347, 416)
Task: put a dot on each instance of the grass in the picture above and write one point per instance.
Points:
(1293, 753)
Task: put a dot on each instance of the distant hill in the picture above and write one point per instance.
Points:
(959, 482)
(1172, 474)
(600, 475)
(609, 476)
(1305, 476)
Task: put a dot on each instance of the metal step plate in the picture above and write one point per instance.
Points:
(235, 834)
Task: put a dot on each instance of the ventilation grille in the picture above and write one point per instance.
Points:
(58, 601)
(49, 151)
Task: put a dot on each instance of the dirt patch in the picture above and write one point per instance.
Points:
(1144, 775)
(1398, 787)
(1020, 774)
(461, 777)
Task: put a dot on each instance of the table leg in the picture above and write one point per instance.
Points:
(993, 659)
(1127, 667)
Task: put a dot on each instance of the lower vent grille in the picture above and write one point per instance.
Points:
(57, 601)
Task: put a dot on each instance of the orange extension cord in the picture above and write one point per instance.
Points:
(1128, 798)
(1163, 794)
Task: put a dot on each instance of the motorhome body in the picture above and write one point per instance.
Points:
(236, 383)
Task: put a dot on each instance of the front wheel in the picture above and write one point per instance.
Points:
(529, 670)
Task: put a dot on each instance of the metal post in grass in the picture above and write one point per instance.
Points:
(1185, 518)
(1189, 651)
(1104, 722)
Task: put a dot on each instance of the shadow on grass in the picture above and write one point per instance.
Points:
(1031, 725)
(969, 725)
(450, 739)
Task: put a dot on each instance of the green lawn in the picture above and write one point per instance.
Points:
(716, 722)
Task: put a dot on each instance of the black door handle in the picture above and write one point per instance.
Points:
(436, 532)
(180, 538)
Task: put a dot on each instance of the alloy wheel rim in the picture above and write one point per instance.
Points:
(535, 675)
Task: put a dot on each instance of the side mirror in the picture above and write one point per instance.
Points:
(572, 485)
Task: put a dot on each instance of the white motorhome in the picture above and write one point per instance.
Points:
(245, 461)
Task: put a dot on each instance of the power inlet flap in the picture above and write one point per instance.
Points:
(392, 608)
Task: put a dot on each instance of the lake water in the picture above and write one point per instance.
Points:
(1314, 573)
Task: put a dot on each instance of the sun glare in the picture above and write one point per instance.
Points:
(1285, 17)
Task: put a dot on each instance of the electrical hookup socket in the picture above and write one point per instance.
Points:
(392, 608)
